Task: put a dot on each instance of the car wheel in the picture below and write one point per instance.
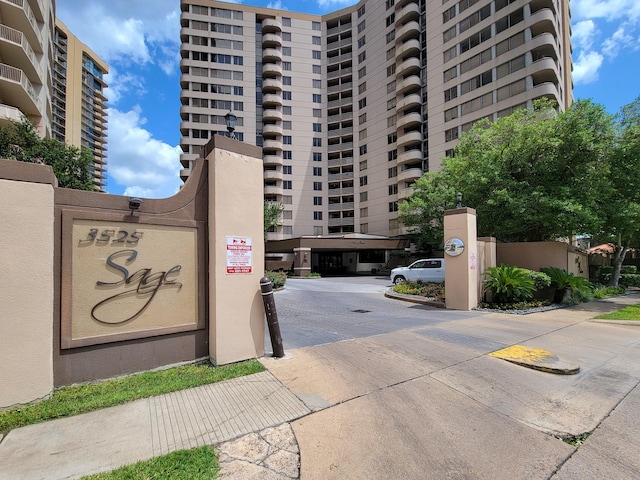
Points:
(398, 280)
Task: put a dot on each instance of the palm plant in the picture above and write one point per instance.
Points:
(564, 282)
(509, 284)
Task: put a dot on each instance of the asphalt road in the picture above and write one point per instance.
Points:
(327, 310)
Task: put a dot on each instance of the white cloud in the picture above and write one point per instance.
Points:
(277, 5)
(585, 70)
(583, 33)
(147, 166)
(121, 84)
(336, 3)
(620, 39)
(629, 10)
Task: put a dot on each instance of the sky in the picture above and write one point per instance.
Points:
(140, 40)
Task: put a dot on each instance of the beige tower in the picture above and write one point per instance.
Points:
(79, 109)
(352, 107)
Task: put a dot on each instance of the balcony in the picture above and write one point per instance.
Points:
(340, 176)
(271, 99)
(338, 207)
(271, 130)
(19, 15)
(269, 70)
(271, 25)
(271, 40)
(340, 88)
(409, 66)
(408, 139)
(410, 174)
(273, 175)
(271, 84)
(338, 162)
(15, 85)
(340, 222)
(272, 114)
(17, 51)
(410, 47)
(270, 55)
(340, 146)
(410, 101)
(407, 31)
(404, 193)
(409, 84)
(411, 11)
(340, 73)
(269, 160)
(409, 120)
(336, 192)
(409, 156)
(272, 190)
(271, 145)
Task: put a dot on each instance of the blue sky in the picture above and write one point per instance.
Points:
(140, 41)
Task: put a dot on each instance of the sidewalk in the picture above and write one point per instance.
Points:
(420, 403)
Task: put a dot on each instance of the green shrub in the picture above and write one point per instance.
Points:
(312, 275)
(567, 283)
(429, 290)
(278, 279)
(509, 284)
(540, 279)
(602, 291)
(628, 269)
(630, 280)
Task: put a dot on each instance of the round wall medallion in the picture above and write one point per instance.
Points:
(453, 247)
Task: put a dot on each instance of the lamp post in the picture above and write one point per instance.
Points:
(459, 200)
(230, 119)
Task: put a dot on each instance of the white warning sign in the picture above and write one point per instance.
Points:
(239, 255)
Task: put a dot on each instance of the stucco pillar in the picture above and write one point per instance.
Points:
(461, 270)
(26, 284)
(302, 262)
(236, 251)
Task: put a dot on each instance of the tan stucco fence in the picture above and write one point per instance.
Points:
(93, 287)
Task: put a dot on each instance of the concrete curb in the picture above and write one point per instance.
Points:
(389, 293)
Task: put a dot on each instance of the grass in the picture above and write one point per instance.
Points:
(631, 312)
(195, 464)
(73, 400)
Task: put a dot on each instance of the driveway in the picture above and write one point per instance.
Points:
(326, 310)
(412, 393)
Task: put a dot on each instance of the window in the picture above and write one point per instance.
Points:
(362, 102)
(286, 110)
(362, 56)
(286, 22)
(317, 83)
(317, 127)
(390, 3)
(448, 34)
(476, 82)
(317, 98)
(391, 121)
(475, 39)
(392, 138)
(361, 41)
(286, 80)
(317, 186)
(451, 134)
(475, 18)
(450, 93)
(363, 181)
(464, 4)
(317, 113)
(391, 103)
(317, 200)
(317, 142)
(317, 230)
(363, 149)
(287, 230)
(316, 54)
(362, 134)
(199, 133)
(286, 139)
(201, 56)
(317, 215)
(286, 125)
(391, 87)
(364, 212)
(196, 25)
(199, 102)
(361, 26)
(361, 11)
(286, 95)
(286, 169)
(450, 53)
(199, 10)
(363, 165)
(317, 171)
(510, 66)
(391, 70)
(509, 20)
(393, 172)
(286, 51)
(449, 14)
(362, 118)
(316, 26)
(450, 114)
(391, 36)
(391, 53)
(287, 185)
(392, 155)
(287, 155)
(317, 156)
(316, 40)
(362, 72)
(286, 66)
(393, 206)
(364, 196)
(287, 215)
(362, 88)
(317, 69)
(450, 73)
(238, 60)
(393, 189)
(390, 19)
(286, 36)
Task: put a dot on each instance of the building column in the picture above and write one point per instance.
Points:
(461, 258)
(302, 262)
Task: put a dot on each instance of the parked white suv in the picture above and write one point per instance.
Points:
(425, 270)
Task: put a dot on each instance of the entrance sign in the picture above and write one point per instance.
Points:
(128, 280)
(239, 255)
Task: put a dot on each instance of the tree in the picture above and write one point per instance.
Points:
(272, 212)
(534, 175)
(71, 165)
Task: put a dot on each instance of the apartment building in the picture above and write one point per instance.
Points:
(352, 107)
(26, 54)
(79, 112)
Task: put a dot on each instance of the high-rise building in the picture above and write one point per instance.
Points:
(26, 54)
(79, 112)
(352, 107)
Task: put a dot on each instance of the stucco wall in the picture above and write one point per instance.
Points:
(26, 289)
(536, 255)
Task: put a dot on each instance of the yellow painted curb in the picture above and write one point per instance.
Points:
(536, 358)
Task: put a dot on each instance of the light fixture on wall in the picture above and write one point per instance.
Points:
(135, 203)
(231, 119)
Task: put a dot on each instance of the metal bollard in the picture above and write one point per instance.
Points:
(272, 317)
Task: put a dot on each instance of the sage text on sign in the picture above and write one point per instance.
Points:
(239, 255)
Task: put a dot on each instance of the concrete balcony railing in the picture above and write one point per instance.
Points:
(18, 51)
(411, 11)
(14, 84)
(410, 101)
